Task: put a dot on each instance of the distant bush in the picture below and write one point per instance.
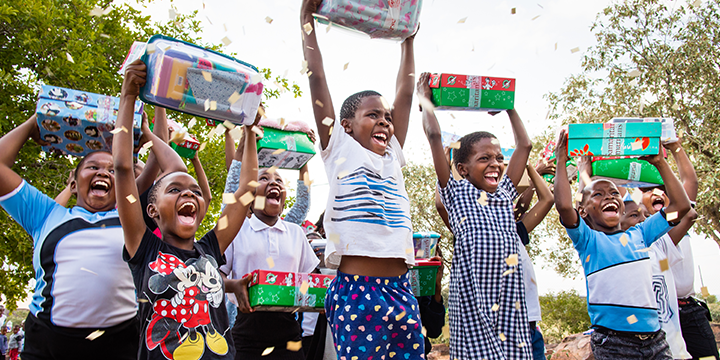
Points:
(563, 314)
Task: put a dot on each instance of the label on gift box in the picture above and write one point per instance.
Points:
(470, 92)
(635, 171)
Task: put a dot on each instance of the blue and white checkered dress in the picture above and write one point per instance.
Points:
(488, 318)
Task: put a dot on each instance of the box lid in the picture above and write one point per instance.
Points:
(472, 82)
(418, 235)
(425, 262)
(286, 278)
(615, 130)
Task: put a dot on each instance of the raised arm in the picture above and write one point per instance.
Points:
(64, 196)
(523, 145)
(202, 178)
(11, 144)
(126, 190)
(298, 212)
(679, 203)
(685, 167)
(230, 149)
(319, 92)
(433, 133)
(404, 90)
(537, 213)
(162, 158)
(563, 193)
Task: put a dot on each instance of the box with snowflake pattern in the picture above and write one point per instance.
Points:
(288, 291)
(470, 92)
(422, 277)
(627, 172)
(635, 139)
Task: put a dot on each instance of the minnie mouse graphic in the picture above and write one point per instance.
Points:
(198, 285)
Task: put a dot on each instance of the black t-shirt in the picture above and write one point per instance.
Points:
(181, 300)
(523, 233)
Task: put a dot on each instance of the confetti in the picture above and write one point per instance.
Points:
(207, 104)
(294, 345)
(229, 198)
(335, 238)
(327, 29)
(483, 199)
(423, 331)
(535, 17)
(328, 121)
(304, 67)
(202, 147)
(267, 351)
(658, 192)
(636, 196)
(226, 40)
(260, 202)
(309, 73)
(446, 331)
(346, 66)
(88, 270)
(522, 344)
(148, 145)
(343, 174)
(462, 21)
(463, 220)
(707, 358)
(131, 199)
(207, 76)
(697, 3)
(150, 48)
(502, 337)
(236, 133)
(208, 19)
(319, 103)
(508, 272)
(224, 25)
(704, 291)
(512, 260)
(671, 216)
(247, 198)
(96, 11)
(676, 107)
(339, 161)
(330, 130)
(69, 57)
(632, 319)
(172, 14)
(624, 240)
(637, 145)
(213, 105)
(95, 334)
(664, 266)
(278, 151)
(574, 50)
(269, 21)
(587, 259)
(253, 184)
(517, 305)
(634, 73)
(399, 316)
(578, 197)
(257, 131)
(308, 28)
(234, 97)
(272, 169)
(495, 307)
(192, 122)
(556, 46)
(452, 116)
(222, 223)
(455, 145)
(178, 137)
(420, 254)
(513, 11)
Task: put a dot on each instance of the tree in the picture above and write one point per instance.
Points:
(564, 313)
(79, 44)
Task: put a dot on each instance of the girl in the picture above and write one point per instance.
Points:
(180, 289)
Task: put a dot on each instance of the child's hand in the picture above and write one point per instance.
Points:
(673, 146)
(135, 75)
(35, 131)
(423, 86)
(71, 177)
(243, 298)
(656, 159)
(312, 136)
(561, 153)
(545, 167)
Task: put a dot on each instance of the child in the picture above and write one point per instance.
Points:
(3, 341)
(177, 279)
(620, 299)
(487, 305)
(370, 305)
(14, 343)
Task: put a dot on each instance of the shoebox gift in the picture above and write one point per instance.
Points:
(78, 122)
(384, 19)
(288, 291)
(286, 146)
(425, 244)
(201, 82)
(469, 92)
(422, 277)
(184, 143)
(549, 155)
(614, 139)
(627, 172)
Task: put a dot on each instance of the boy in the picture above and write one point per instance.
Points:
(14, 343)
(620, 299)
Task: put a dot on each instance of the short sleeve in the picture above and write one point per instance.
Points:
(149, 246)
(397, 149)
(674, 255)
(229, 256)
(29, 207)
(308, 260)
(507, 185)
(523, 233)
(579, 234)
(210, 245)
(654, 227)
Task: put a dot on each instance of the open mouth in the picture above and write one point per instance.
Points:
(187, 213)
(610, 209)
(273, 195)
(492, 178)
(658, 203)
(99, 188)
(380, 138)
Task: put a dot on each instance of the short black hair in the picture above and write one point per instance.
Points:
(82, 160)
(319, 223)
(351, 104)
(152, 194)
(467, 142)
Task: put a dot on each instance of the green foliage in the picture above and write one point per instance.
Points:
(714, 312)
(563, 314)
(712, 299)
(18, 316)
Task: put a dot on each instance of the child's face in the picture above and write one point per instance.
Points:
(633, 215)
(484, 166)
(654, 199)
(16, 329)
(603, 206)
(94, 183)
(273, 188)
(372, 126)
(179, 207)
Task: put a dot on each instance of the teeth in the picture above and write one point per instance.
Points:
(381, 136)
(101, 183)
(610, 207)
(192, 206)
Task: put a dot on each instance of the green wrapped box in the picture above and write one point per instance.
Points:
(627, 172)
(288, 291)
(470, 92)
(297, 149)
(422, 277)
(636, 139)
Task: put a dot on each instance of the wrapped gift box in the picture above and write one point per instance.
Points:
(469, 92)
(668, 126)
(425, 244)
(282, 291)
(297, 149)
(78, 122)
(422, 277)
(611, 139)
(189, 144)
(185, 77)
(627, 172)
(384, 19)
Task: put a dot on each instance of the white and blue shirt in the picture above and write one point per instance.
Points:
(81, 278)
(618, 274)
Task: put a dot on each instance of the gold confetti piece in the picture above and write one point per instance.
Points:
(423, 331)
(234, 97)
(671, 216)
(399, 316)
(247, 198)
(462, 21)
(269, 21)
(202, 147)
(624, 240)
(517, 305)
(253, 184)
(502, 337)
(637, 145)
(260, 202)
(95, 334)
(304, 67)
(343, 174)
(226, 40)
(319, 103)
(229, 198)
(512, 260)
(346, 66)
(632, 319)
(328, 121)
(178, 137)
(495, 307)
(463, 220)
(420, 254)
(707, 358)
(304, 287)
(339, 161)
(483, 199)
(143, 300)
(278, 151)
(636, 196)
(643, 250)
(574, 50)
(222, 223)
(269, 350)
(310, 47)
(236, 133)
(697, 3)
(508, 272)
(578, 197)
(309, 73)
(294, 345)
(634, 73)
(224, 25)
(658, 192)
(207, 76)
(535, 17)
(131, 199)
(522, 344)
(513, 11)
(96, 11)
(272, 169)
(257, 131)
(676, 107)
(330, 130)
(335, 238)
(664, 266)
(213, 105)
(704, 291)
(587, 259)
(678, 150)
(556, 46)
(308, 28)
(455, 145)
(206, 104)
(192, 122)
(452, 116)
(88, 270)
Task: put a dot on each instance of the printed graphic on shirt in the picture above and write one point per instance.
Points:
(181, 325)
(370, 199)
(665, 312)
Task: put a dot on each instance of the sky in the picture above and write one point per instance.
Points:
(541, 45)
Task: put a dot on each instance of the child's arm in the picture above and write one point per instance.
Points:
(162, 158)
(523, 146)
(679, 203)
(537, 213)
(126, 190)
(563, 193)
(230, 149)
(690, 184)
(404, 90)
(299, 210)
(433, 133)
(319, 92)
(65, 195)
(202, 178)
(233, 216)
(11, 144)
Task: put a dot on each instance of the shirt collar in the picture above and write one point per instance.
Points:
(257, 225)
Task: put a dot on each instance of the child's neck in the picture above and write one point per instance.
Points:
(267, 219)
(604, 229)
(185, 244)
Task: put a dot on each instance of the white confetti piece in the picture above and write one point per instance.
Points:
(150, 48)
(574, 50)
(632, 319)
(308, 28)
(253, 184)
(426, 104)
(495, 307)
(304, 67)
(270, 262)
(260, 202)
(213, 105)
(328, 121)
(172, 14)
(202, 147)
(272, 169)
(676, 107)
(346, 66)
(343, 174)
(269, 350)
(269, 20)
(69, 57)
(96, 11)
(247, 198)
(334, 237)
(229, 198)
(226, 40)
(148, 145)
(206, 104)
(95, 334)
(131, 199)
(462, 21)
(88, 270)
(178, 137)
(512, 260)
(224, 26)
(634, 73)
(535, 18)
(207, 76)
(636, 196)
(222, 223)
(697, 3)
(340, 161)
(192, 122)
(671, 216)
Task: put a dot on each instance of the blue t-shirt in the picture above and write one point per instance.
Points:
(81, 280)
(618, 274)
